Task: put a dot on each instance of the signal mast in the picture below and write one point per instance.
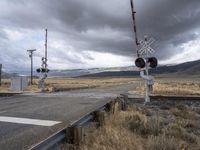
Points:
(145, 59)
(44, 70)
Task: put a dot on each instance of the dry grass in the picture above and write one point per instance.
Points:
(65, 84)
(115, 135)
(183, 87)
(76, 83)
(176, 88)
(5, 85)
(177, 131)
(161, 142)
(136, 130)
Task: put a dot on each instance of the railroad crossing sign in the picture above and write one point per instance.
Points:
(146, 50)
(145, 59)
(44, 70)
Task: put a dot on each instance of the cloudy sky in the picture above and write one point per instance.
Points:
(96, 33)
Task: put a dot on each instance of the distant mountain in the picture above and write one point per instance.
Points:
(5, 75)
(188, 68)
(72, 72)
(113, 74)
(82, 72)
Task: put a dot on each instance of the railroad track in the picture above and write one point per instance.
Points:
(9, 94)
(162, 98)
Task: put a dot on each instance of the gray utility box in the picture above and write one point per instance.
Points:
(19, 83)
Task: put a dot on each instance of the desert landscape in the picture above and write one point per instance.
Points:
(99, 75)
(164, 124)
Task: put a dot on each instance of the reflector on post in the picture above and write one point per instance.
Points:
(140, 63)
(153, 62)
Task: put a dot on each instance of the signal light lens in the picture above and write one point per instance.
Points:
(43, 70)
(153, 62)
(140, 63)
(38, 70)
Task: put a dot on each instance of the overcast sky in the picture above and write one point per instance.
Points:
(96, 33)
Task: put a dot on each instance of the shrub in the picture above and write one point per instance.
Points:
(182, 107)
(145, 126)
(165, 107)
(197, 110)
(184, 113)
(137, 123)
(177, 131)
(188, 124)
(161, 142)
(154, 125)
(112, 137)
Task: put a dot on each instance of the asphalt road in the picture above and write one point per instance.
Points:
(63, 108)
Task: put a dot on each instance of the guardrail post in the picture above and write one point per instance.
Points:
(75, 135)
(100, 117)
(114, 107)
(124, 99)
(78, 135)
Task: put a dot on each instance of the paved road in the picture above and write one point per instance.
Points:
(27, 119)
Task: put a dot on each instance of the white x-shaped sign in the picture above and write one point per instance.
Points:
(146, 47)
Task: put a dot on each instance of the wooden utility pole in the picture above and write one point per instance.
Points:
(31, 56)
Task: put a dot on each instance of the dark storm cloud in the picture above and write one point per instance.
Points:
(168, 21)
(106, 25)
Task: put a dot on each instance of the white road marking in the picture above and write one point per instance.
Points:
(37, 122)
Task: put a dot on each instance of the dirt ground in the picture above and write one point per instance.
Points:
(173, 86)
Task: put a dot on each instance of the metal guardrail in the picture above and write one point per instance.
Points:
(61, 135)
(51, 141)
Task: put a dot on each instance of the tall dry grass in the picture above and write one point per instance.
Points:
(176, 88)
(115, 135)
(5, 85)
(179, 87)
(137, 130)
